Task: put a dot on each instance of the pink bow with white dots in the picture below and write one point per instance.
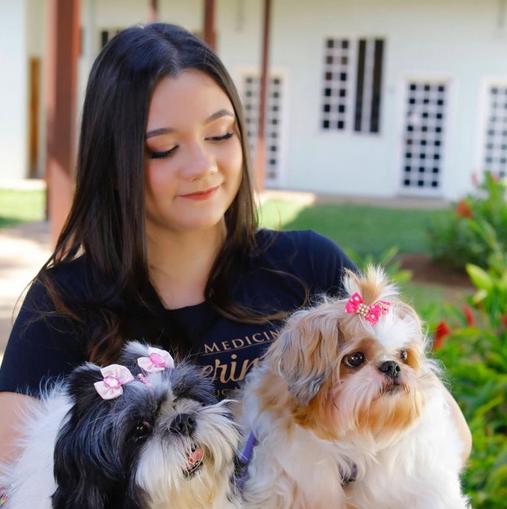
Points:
(115, 377)
(356, 305)
(157, 360)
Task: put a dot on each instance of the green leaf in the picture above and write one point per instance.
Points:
(480, 278)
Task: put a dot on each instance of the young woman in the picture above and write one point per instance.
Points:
(161, 243)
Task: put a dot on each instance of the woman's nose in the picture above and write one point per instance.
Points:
(198, 163)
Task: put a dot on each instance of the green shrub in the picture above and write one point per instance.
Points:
(456, 238)
(473, 347)
(388, 260)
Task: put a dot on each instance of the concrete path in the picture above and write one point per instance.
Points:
(23, 250)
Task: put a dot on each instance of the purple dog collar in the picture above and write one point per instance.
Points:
(246, 455)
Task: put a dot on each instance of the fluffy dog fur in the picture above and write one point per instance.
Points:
(336, 396)
(136, 451)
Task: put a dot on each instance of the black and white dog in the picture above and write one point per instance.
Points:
(141, 434)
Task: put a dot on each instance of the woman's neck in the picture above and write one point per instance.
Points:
(180, 263)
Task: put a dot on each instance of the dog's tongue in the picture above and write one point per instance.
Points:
(195, 457)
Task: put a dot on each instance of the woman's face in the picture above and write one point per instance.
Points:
(194, 160)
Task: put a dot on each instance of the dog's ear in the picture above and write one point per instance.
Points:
(86, 479)
(306, 351)
(81, 388)
(87, 465)
(73, 496)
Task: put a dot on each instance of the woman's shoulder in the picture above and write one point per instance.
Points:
(306, 243)
(74, 280)
(71, 272)
(44, 343)
(319, 261)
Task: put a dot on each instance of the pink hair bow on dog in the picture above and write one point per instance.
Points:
(157, 360)
(115, 377)
(356, 305)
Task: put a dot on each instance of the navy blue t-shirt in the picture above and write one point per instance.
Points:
(285, 267)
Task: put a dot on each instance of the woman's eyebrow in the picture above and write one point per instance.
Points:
(219, 114)
(211, 118)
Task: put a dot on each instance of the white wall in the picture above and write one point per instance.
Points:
(98, 15)
(462, 40)
(13, 90)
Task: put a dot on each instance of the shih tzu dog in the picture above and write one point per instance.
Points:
(348, 412)
(142, 434)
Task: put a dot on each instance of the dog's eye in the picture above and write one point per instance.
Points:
(354, 360)
(403, 355)
(143, 429)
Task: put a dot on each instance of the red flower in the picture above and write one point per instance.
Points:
(441, 332)
(469, 316)
(463, 210)
(504, 319)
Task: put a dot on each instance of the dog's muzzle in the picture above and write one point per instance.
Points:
(183, 424)
(390, 369)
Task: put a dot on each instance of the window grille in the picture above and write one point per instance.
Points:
(352, 85)
(423, 138)
(273, 119)
(495, 146)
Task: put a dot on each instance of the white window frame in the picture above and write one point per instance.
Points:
(436, 78)
(349, 130)
(242, 72)
(486, 84)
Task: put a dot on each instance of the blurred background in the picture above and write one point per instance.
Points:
(382, 124)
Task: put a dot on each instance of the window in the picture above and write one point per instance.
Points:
(495, 144)
(273, 121)
(336, 84)
(423, 135)
(352, 90)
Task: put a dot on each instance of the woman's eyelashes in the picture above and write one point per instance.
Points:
(171, 151)
(166, 153)
(225, 136)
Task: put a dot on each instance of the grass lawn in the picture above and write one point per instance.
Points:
(364, 231)
(21, 206)
(361, 229)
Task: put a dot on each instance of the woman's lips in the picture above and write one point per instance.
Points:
(203, 195)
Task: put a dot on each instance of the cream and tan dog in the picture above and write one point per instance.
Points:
(347, 392)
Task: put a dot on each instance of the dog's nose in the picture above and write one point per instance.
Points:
(184, 424)
(390, 369)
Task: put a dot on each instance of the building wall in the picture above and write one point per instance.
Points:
(13, 90)
(111, 15)
(458, 41)
(455, 40)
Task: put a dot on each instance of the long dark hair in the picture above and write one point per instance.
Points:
(106, 220)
